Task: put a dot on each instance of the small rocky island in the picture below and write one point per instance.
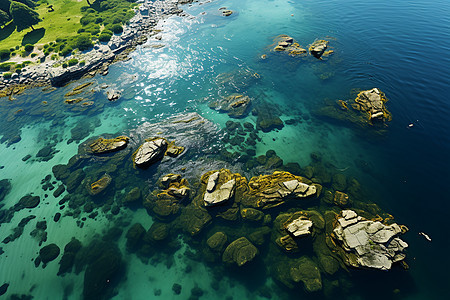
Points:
(367, 109)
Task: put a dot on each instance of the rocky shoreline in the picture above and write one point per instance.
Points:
(97, 60)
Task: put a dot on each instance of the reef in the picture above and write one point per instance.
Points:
(101, 145)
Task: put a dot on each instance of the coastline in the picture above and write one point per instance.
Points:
(97, 60)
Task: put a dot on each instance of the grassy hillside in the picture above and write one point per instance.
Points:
(64, 21)
(70, 25)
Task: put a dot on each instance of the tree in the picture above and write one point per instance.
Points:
(23, 16)
(4, 18)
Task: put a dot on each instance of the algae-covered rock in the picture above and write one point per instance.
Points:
(268, 117)
(100, 185)
(133, 196)
(317, 49)
(267, 191)
(286, 44)
(252, 214)
(49, 253)
(340, 199)
(193, 219)
(150, 152)
(28, 201)
(101, 145)
(174, 151)
(305, 270)
(240, 251)
(339, 182)
(217, 241)
(157, 232)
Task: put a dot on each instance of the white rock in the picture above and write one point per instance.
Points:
(220, 195)
(212, 181)
(300, 227)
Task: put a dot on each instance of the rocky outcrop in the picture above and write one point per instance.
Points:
(267, 191)
(150, 152)
(235, 105)
(368, 108)
(368, 244)
(217, 241)
(101, 145)
(214, 194)
(221, 187)
(240, 251)
(317, 49)
(372, 103)
(165, 203)
(299, 227)
(286, 44)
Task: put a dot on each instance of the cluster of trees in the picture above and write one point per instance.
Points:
(21, 12)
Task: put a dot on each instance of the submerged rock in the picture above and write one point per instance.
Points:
(366, 243)
(150, 152)
(102, 275)
(217, 241)
(101, 145)
(49, 253)
(100, 185)
(28, 201)
(305, 270)
(240, 251)
(235, 105)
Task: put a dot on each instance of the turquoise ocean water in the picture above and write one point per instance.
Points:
(400, 47)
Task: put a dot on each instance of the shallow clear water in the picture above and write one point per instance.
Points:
(399, 47)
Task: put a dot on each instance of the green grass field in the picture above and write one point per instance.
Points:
(63, 22)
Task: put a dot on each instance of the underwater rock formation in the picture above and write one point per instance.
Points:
(235, 105)
(240, 251)
(237, 81)
(150, 152)
(49, 253)
(369, 244)
(100, 185)
(268, 117)
(101, 145)
(165, 203)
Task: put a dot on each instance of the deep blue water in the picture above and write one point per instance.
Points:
(400, 47)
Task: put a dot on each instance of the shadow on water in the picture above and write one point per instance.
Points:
(33, 37)
(7, 31)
